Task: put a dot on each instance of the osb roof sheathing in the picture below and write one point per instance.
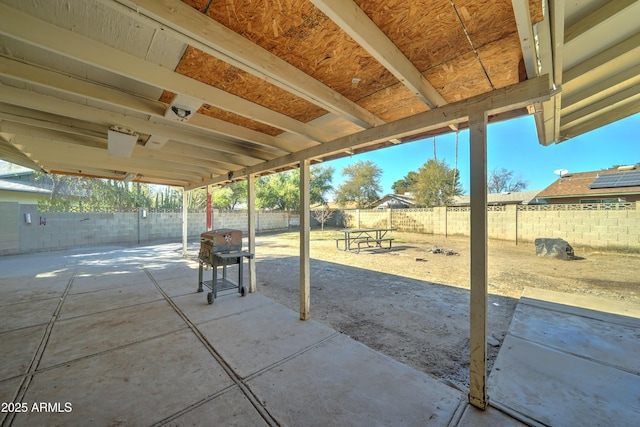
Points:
(462, 47)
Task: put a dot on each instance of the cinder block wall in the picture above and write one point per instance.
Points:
(9, 228)
(602, 229)
(63, 230)
(615, 229)
(55, 231)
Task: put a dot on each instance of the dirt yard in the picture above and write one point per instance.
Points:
(417, 311)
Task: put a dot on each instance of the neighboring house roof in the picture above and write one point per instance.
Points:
(23, 188)
(10, 170)
(395, 201)
(579, 184)
(506, 198)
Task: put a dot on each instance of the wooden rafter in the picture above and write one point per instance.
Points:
(213, 38)
(73, 45)
(361, 28)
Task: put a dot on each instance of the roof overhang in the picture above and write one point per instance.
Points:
(591, 50)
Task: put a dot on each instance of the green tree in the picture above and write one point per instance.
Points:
(320, 183)
(230, 196)
(362, 185)
(405, 184)
(501, 180)
(282, 190)
(436, 184)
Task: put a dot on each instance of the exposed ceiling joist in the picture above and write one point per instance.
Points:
(77, 156)
(195, 29)
(592, 20)
(626, 51)
(629, 95)
(527, 37)
(70, 85)
(73, 45)
(353, 21)
(56, 106)
(614, 112)
(604, 88)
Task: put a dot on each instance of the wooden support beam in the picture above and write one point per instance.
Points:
(592, 20)
(185, 224)
(479, 276)
(502, 100)
(527, 38)
(353, 21)
(120, 100)
(305, 226)
(194, 28)
(251, 227)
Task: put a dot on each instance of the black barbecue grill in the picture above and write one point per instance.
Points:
(221, 248)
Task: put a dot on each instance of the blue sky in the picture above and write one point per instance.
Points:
(512, 145)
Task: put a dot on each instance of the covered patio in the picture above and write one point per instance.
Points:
(116, 335)
(199, 93)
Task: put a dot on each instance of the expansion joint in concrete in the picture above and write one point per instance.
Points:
(244, 388)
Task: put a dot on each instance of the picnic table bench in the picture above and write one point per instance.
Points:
(355, 239)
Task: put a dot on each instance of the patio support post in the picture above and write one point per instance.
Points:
(479, 277)
(185, 232)
(251, 230)
(305, 231)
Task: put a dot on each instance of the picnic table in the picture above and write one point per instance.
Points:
(355, 238)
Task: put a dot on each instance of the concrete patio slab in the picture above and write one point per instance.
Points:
(31, 289)
(263, 336)
(80, 304)
(491, 417)
(188, 272)
(83, 336)
(341, 382)
(231, 409)
(195, 306)
(564, 365)
(581, 335)
(177, 286)
(17, 350)
(139, 384)
(40, 312)
(109, 278)
(8, 391)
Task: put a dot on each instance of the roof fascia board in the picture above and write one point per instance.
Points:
(196, 29)
(557, 45)
(353, 21)
(28, 29)
(509, 98)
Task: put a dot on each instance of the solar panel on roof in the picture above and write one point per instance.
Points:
(615, 180)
